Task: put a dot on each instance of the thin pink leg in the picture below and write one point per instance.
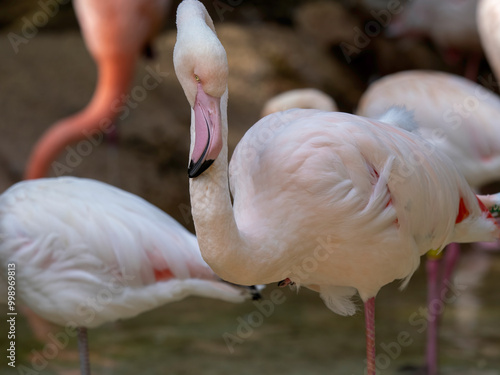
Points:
(83, 348)
(370, 335)
(432, 267)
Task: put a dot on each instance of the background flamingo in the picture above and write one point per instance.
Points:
(299, 98)
(116, 32)
(450, 24)
(78, 240)
(302, 177)
(460, 118)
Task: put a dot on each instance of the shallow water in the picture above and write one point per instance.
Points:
(299, 335)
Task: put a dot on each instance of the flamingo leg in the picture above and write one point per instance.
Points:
(83, 348)
(472, 63)
(370, 335)
(432, 267)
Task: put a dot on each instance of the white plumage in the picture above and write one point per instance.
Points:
(373, 196)
(89, 253)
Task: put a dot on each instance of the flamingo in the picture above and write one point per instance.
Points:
(330, 201)
(460, 118)
(457, 116)
(450, 24)
(86, 253)
(299, 98)
(115, 32)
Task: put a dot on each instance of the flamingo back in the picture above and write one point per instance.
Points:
(84, 249)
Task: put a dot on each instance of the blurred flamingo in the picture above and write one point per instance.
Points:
(115, 32)
(86, 253)
(326, 200)
(299, 98)
(450, 24)
(459, 117)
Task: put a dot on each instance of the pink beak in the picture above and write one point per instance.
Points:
(208, 135)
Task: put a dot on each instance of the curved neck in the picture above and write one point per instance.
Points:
(114, 77)
(222, 245)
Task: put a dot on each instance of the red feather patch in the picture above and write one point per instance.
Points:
(165, 274)
(463, 212)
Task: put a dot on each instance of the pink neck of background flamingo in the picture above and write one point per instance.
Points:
(115, 76)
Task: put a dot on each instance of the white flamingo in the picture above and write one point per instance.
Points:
(299, 98)
(86, 253)
(115, 32)
(354, 201)
(459, 117)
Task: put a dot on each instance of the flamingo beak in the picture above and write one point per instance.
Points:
(208, 135)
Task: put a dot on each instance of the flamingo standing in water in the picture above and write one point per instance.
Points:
(299, 98)
(115, 32)
(86, 253)
(331, 201)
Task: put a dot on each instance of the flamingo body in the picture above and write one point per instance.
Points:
(334, 202)
(456, 115)
(89, 253)
(449, 23)
(488, 21)
(345, 179)
(299, 98)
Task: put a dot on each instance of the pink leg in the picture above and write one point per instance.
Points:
(432, 267)
(370, 335)
(83, 348)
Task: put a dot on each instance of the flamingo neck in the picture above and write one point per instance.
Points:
(222, 244)
(114, 77)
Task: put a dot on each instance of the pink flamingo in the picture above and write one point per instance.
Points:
(327, 200)
(115, 32)
(460, 118)
(86, 253)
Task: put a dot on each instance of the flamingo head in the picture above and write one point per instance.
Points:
(200, 63)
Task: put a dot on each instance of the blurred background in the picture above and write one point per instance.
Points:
(335, 46)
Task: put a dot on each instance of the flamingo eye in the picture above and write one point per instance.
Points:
(197, 78)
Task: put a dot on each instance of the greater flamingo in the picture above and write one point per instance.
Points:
(115, 33)
(299, 98)
(331, 201)
(450, 24)
(86, 253)
(460, 118)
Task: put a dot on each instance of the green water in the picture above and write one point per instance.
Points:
(299, 335)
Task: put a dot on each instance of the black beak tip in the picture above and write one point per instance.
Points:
(195, 169)
(256, 296)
